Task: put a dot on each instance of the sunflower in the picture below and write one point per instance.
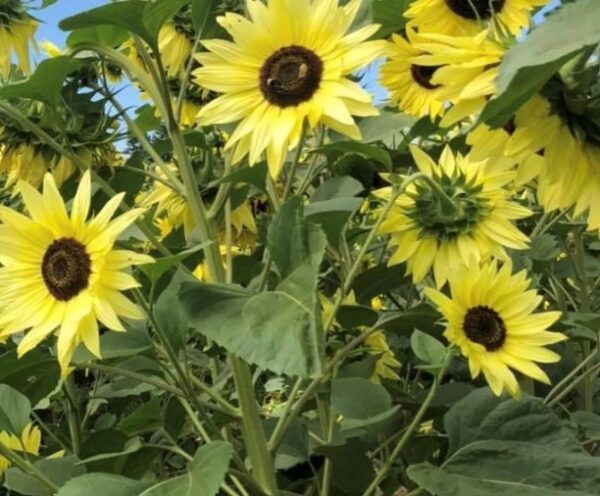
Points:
(378, 346)
(466, 69)
(61, 273)
(409, 84)
(29, 442)
(519, 142)
(287, 64)
(468, 17)
(175, 48)
(17, 29)
(426, 233)
(490, 318)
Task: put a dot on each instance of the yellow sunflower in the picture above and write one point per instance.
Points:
(386, 364)
(490, 318)
(17, 29)
(29, 442)
(467, 67)
(287, 64)
(519, 142)
(175, 48)
(426, 234)
(467, 17)
(409, 84)
(62, 273)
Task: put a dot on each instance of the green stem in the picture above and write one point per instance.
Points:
(72, 406)
(380, 475)
(295, 162)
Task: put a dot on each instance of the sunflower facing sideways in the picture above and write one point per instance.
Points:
(464, 17)
(61, 273)
(409, 84)
(17, 29)
(490, 318)
(287, 64)
(457, 209)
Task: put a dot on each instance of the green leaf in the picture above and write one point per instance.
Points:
(136, 16)
(58, 470)
(34, 375)
(422, 316)
(131, 446)
(15, 409)
(291, 240)
(427, 348)
(440, 483)
(255, 175)
(119, 344)
(481, 416)
(367, 151)
(45, 83)
(337, 187)
(155, 271)
(386, 125)
(109, 36)
(379, 280)
(543, 247)
(527, 66)
(144, 419)
(204, 476)
(332, 216)
(203, 17)
(390, 14)
(112, 485)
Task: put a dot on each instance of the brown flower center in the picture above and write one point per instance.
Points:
(472, 9)
(291, 76)
(422, 74)
(483, 325)
(66, 268)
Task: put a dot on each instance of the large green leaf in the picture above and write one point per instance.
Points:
(441, 483)
(45, 83)
(139, 17)
(332, 216)
(58, 470)
(203, 17)
(34, 375)
(527, 66)
(389, 13)
(204, 476)
(14, 410)
(105, 35)
(482, 416)
(112, 485)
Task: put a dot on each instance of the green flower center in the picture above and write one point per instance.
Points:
(474, 9)
(291, 76)
(66, 268)
(484, 325)
(434, 218)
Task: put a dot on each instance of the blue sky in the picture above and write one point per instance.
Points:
(63, 8)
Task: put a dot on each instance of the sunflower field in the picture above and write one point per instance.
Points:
(300, 248)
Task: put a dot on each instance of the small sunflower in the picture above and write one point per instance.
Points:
(466, 69)
(175, 47)
(17, 29)
(29, 442)
(287, 64)
(468, 17)
(409, 84)
(519, 142)
(426, 234)
(490, 318)
(61, 273)
(386, 364)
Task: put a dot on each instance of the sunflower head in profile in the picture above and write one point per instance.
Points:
(464, 17)
(409, 84)
(28, 442)
(457, 210)
(61, 273)
(490, 318)
(17, 29)
(287, 64)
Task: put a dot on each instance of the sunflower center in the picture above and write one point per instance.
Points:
(422, 74)
(66, 268)
(291, 76)
(483, 325)
(474, 9)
